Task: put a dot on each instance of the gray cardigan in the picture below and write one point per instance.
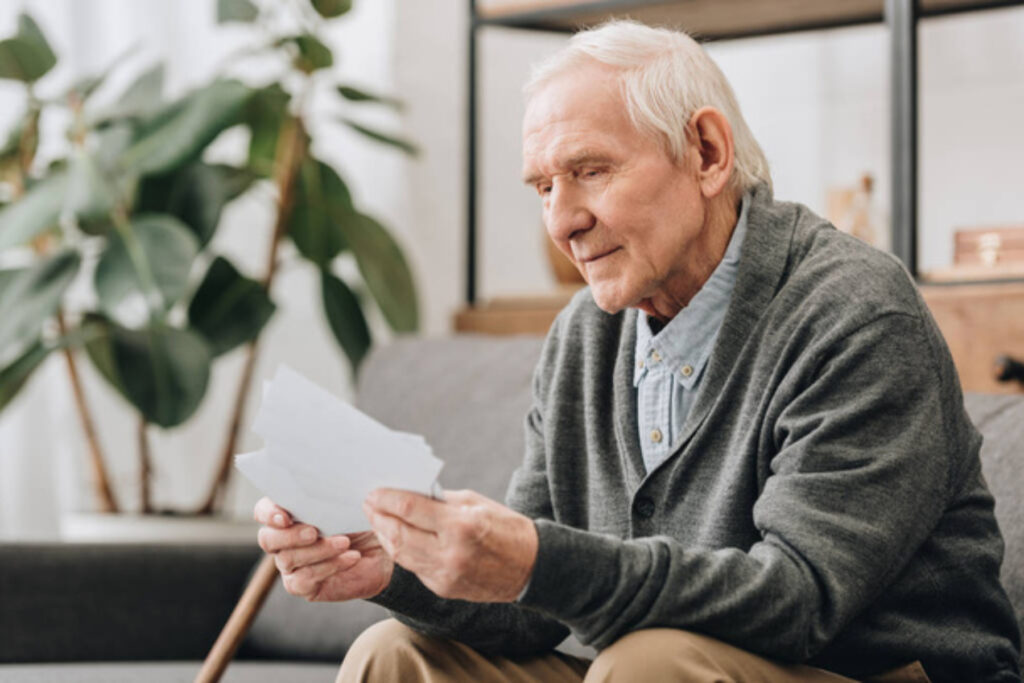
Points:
(823, 503)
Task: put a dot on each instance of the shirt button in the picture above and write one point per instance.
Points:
(656, 436)
(655, 356)
(686, 370)
(644, 507)
(640, 364)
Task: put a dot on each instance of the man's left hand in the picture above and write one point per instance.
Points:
(466, 547)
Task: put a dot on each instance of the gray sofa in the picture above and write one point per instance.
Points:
(134, 613)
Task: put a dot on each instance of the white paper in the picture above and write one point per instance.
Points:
(321, 456)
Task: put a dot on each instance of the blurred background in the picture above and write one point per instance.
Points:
(818, 102)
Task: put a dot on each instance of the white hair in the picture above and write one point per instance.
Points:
(665, 77)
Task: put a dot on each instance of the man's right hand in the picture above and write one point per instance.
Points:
(332, 568)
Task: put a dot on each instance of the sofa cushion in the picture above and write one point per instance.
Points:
(289, 627)
(97, 602)
(468, 395)
(1000, 419)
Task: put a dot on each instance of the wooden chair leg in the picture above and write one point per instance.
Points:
(238, 623)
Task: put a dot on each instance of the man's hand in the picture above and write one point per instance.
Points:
(333, 568)
(467, 547)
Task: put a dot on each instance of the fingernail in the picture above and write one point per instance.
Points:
(308, 534)
(279, 520)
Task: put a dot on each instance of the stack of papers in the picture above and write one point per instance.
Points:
(321, 456)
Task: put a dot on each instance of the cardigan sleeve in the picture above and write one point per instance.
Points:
(863, 466)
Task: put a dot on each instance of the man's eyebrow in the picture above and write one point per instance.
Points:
(581, 158)
(532, 178)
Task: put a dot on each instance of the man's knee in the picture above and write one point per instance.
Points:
(386, 649)
(656, 654)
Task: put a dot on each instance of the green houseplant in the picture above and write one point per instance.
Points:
(134, 205)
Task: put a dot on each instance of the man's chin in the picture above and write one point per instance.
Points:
(608, 302)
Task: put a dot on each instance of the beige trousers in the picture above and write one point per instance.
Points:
(390, 651)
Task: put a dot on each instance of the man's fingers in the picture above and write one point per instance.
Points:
(414, 508)
(291, 559)
(270, 513)
(274, 540)
(411, 547)
(306, 582)
(461, 497)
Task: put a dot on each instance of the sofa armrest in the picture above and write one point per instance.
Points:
(93, 602)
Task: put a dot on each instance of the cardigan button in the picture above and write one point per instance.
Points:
(644, 507)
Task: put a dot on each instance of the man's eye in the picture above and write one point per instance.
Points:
(592, 172)
(543, 190)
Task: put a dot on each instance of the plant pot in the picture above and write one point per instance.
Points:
(97, 527)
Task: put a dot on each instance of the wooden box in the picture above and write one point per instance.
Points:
(989, 246)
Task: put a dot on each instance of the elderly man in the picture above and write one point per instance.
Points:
(747, 459)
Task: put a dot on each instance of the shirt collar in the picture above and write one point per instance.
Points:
(684, 345)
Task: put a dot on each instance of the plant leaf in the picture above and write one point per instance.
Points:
(141, 99)
(161, 370)
(313, 54)
(32, 295)
(7, 276)
(356, 95)
(329, 9)
(236, 10)
(181, 131)
(265, 114)
(90, 196)
(27, 56)
(36, 211)
(385, 271)
(345, 317)
(321, 202)
(194, 194)
(401, 144)
(14, 376)
(228, 309)
(160, 250)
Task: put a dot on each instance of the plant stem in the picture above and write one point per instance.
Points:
(101, 482)
(144, 468)
(291, 149)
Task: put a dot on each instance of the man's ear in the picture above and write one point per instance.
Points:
(712, 140)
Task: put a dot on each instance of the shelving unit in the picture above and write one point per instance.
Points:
(711, 20)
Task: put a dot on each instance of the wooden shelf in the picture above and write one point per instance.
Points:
(709, 19)
(966, 274)
(513, 315)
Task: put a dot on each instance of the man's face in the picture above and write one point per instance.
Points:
(614, 202)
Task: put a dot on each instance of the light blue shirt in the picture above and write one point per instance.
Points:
(670, 364)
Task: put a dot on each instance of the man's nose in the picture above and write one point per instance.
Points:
(566, 214)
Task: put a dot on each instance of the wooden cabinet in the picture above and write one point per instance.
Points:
(980, 323)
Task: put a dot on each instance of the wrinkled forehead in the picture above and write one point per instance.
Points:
(581, 89)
